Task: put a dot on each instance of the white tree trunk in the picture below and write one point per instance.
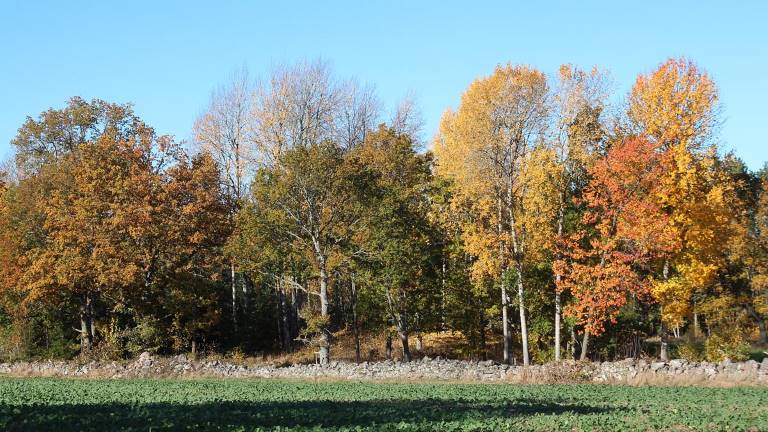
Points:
(523, 321)
(505, 323)
(325, 340)
(557, 324)
(558, 278)
(234, 293)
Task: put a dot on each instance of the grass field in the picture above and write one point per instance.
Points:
(41, 404)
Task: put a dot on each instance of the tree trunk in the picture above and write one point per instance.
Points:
(419, 343)
(760, 321)
(557, 324)
(285, 331)
(518, 255)
(404, 341)
(244, 285)
(695, 325)
(293, 329)
(483, 347)
(523, 322)
(91, 325)
(85, 332)
(388, 347)
(504, 297)
(664, 351)
(355, 327)
(194, 349)
(325, 340)
(584, 346)
(234, 293)
(573, 343)
(442, 292)
(505, 323)
(558, 277)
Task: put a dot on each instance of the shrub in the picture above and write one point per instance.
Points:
(731, 345)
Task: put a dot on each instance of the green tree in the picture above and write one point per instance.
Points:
(397, 234)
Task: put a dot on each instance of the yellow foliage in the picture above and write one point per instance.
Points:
(491, 148)
(677, 103)
(676, 106)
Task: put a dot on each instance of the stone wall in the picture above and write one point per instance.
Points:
(629, 371)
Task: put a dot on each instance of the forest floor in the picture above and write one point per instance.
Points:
(37, 404)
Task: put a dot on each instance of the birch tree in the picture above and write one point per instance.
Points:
(578, 103)
(305, 105)
(304, 123)
(493, 148)
(224, 131)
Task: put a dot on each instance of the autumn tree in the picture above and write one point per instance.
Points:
(757, 263)
(578, 134)
(224, 130)
(189, 257)
(304, 120)
(744, 280)
(675, 106)
(115, 222)
(606, 261)
(492, 148)
(58, 132)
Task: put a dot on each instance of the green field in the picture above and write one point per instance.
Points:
(60, 405)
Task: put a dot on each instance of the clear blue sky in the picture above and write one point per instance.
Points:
(166, 56)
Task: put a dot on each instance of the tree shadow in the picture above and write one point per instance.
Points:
(259, 415)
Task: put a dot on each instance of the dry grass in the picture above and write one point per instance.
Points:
(722, 380)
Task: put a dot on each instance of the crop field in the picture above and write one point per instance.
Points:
(42, 404)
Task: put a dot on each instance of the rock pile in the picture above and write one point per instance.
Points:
(427, 369)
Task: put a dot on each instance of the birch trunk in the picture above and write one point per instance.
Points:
(325, 340)
(504, 297)
(558, 277)
(234, 293)
(523, 321)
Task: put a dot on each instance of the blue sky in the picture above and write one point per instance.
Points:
(166, 56)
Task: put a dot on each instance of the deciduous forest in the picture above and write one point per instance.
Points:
(548, 219)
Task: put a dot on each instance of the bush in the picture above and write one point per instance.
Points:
(716, 348)
(719, 347)
(691, 349)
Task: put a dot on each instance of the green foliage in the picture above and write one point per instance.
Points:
(253, 405)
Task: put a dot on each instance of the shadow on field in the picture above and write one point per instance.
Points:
(252, 415)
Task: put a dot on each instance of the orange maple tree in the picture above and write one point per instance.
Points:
(622, 227)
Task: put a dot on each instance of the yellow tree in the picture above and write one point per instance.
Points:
(758, 264)
(676, 106)
(492, 148)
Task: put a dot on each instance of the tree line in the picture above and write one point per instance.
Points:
(545, 216)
